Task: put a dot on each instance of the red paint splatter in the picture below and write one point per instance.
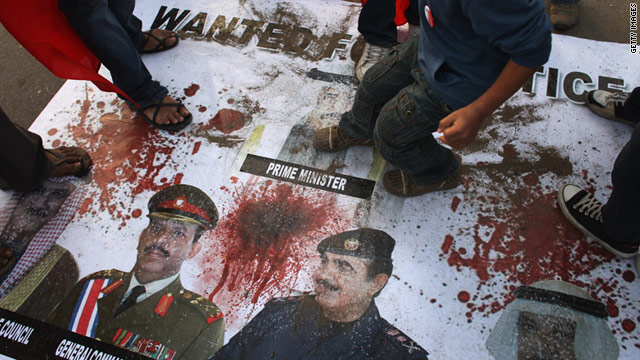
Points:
(455, 203)
(612, 308)
(585, 174)
(522, 239)
(192, 90)
(100, 104)
(234, 180)
(55, 143)
(268, 236)
(52, 132)
(196, 147)
(227, 121)
(628, 276)
(464, 296)
(628, 325)
(530, 242)
(202, 108)
(230, 101)
(136, 213)
(128, 155)
(446, 244)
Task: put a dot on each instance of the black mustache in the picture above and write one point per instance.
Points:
(327, 284)
(157, 247)
(33, 211)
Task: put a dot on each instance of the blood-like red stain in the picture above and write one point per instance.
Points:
(136, 213)
(628, 325)
(192, 90)
(196, 147)
(530, 242)
(612, 308)
(266, 238)
(52, 132)
(585, 174)
(100, 104)
(128, 157)
(455, 203)
(202, 108)
(227, 121)
(628, 276)
(463, 296)
(446, 244)
(520, 239)
(55, 143)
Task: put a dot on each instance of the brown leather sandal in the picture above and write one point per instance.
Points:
(162, 42)
(168, 127)
(65, 156)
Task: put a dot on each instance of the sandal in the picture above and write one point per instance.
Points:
(8, 254)
(161, 46)
(168, 127)
(66, 156)
(332, 139)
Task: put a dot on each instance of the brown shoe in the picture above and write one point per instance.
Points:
(332, 139)
(398, 183)
(563, 16)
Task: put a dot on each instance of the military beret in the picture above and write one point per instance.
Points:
(185, 203)
(363, 243)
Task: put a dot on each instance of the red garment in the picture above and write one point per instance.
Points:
(401, 7)
(42, 29)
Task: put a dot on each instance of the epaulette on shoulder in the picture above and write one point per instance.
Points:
(105, 274)
(403, 342)
(286, 300)
(206, 308)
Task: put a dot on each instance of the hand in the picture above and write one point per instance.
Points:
(460, 127)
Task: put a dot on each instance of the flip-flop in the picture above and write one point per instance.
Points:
(167, 127)
(161, 46)
(12, 261)
(78, 155)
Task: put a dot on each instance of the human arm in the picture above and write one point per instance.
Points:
(461, 126)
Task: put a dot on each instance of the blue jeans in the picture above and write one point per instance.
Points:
(115, 37)
(396, 107)
(621, 211)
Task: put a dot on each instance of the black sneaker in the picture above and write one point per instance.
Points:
(585, 212)
(609, 105)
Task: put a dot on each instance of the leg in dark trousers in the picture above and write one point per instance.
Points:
(114, 35)
(376, 21)
(622, 211)
(24, 164)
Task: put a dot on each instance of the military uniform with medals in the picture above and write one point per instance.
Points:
(172, 322)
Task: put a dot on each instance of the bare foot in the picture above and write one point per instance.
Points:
(151, 43)
(68, 160)
(166, 114)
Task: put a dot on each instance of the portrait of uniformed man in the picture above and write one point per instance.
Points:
(147, 310)
(341, 321)
(553, 320)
